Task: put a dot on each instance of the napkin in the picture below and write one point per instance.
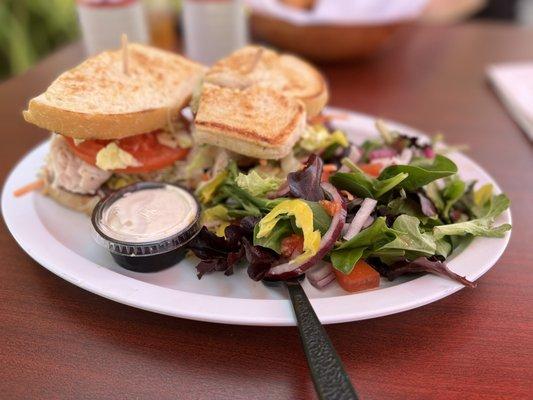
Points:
(513, 82)
(353, 12)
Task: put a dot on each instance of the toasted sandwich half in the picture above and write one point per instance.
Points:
(115, 122)
(256, 121)
(256, 65)
(256, 102)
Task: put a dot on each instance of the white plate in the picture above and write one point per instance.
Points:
(60, 240)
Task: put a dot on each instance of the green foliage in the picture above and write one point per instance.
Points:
(421, 171)
(377, 235)
(30, 29)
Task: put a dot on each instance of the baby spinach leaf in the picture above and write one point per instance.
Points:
(345, 256)
(345, 260)
(361, 185)
(378, 234)
(421, 171)
(383, 186)
(354, 182)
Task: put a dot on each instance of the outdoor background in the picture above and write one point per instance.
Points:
(30, 29)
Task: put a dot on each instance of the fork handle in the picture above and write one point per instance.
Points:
(329, 377)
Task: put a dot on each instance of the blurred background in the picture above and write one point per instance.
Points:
(31, 29)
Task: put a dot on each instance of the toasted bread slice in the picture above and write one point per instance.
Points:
(98, 100)
(77, 202)
(255, 65)
(256, 121)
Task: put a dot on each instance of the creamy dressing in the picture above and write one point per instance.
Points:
(149, 214)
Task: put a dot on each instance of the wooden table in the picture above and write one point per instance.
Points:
(59, 341)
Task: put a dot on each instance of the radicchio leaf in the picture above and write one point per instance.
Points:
(422, 264)
(260, 260)
(220, 254)
(207, 245)
(305, 184)
(217, 253)
(249, 223)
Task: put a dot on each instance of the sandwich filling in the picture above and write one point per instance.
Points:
(94, 167)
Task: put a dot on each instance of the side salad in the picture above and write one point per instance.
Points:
(349, 212)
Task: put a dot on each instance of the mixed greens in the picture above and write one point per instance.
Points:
(394, 204)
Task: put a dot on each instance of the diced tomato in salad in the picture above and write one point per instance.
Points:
(362, 277)
(373, 169)
(292, 245)
(331, 207)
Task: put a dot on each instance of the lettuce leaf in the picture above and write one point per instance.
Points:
(317, 137)
(482, 226)
(256, 184)
(410, 241)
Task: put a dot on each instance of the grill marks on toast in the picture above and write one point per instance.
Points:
(255, 102)
(97, 100)
(254, 65)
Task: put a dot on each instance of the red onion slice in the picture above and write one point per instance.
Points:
(319, 271)
(369, 221)
(405, 157)
(360, 218)
(428, 152)
(324, 281)
(290, 270)
(385, 152)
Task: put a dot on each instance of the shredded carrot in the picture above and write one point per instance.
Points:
(30, 187)
(205, 176)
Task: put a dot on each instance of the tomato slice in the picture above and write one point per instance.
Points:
(145, 148)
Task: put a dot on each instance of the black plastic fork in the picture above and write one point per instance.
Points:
(329, 376)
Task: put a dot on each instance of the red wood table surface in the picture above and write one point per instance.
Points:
(59, 341)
